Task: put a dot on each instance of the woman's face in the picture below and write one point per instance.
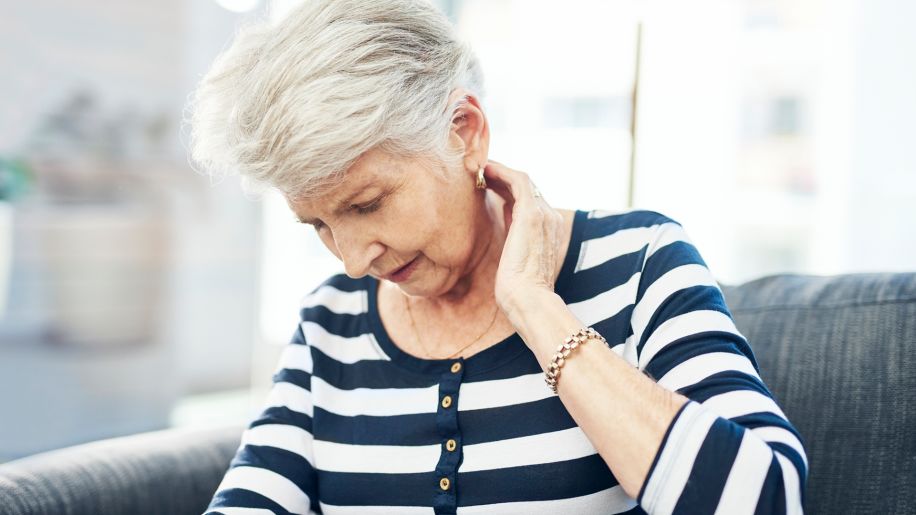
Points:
(389, 211)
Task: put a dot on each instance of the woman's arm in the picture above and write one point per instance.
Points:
(706, 436)
(623, 412)
(273, 468)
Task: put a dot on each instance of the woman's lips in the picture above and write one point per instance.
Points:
(404, 272)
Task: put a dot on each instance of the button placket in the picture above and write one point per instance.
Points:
(446, 499)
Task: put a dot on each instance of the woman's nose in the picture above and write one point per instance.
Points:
(356, 253)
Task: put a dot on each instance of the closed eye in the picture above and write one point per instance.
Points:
(365, 209)
(373, 206)
(315, 223)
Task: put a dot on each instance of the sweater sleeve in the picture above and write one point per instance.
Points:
(730, 448)
(273, 469)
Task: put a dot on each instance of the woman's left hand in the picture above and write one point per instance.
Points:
(530, 258)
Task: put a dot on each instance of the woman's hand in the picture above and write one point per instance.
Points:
(530, 258)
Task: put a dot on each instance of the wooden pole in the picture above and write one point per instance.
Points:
(634, 99)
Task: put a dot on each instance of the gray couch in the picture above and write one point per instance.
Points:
(838, 353)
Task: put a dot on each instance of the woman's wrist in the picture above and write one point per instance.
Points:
(543, 321)
(523, 305)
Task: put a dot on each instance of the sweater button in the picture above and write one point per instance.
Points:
(451, 444)
(446, 401)
(456, 366)
(444, 483)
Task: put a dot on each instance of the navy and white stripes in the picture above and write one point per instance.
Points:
(355, 425)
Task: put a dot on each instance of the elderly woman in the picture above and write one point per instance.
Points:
(484, 351)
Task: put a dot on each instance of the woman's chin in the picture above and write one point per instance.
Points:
(416, 287)
(412, 289)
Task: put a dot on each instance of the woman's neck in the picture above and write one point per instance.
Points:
(472, 293)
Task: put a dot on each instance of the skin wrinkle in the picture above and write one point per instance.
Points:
(456, 238)
(452, 240)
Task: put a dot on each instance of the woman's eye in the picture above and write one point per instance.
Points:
(374, 205)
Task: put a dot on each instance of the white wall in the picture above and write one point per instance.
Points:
(882, 193)
(851, 63)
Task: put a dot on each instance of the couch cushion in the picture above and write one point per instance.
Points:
(174, 471)
(839, 355)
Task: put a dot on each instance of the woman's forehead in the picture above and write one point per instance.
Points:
(369, 174)
(375, 169)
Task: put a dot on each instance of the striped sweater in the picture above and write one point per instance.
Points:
(353, 424)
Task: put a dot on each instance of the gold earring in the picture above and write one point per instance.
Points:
(481, 181)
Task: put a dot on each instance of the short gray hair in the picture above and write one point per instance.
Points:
(292, 105)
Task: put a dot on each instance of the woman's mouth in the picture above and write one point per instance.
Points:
(403, 273)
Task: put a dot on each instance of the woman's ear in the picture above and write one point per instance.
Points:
(469, 128)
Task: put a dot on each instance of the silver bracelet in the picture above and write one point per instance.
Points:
(559, 358)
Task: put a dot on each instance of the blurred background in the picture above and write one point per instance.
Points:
(137, 294)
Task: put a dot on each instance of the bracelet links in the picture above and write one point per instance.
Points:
(563, 350)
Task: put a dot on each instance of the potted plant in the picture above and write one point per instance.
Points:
(100, 226)
(13, 180)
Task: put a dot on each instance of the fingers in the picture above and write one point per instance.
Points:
(500, 186)
(516, 183)
(519, 193)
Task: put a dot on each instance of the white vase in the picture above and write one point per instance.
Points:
(105, 268)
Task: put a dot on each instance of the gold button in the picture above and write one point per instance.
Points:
(451, 444)
(446, 401)
(456, 366)
(444, 483)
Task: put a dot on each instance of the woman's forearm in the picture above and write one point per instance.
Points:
(623, 412)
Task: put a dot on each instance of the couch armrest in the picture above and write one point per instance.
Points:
(173, 471)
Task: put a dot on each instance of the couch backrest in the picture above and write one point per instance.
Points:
(839, 355)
